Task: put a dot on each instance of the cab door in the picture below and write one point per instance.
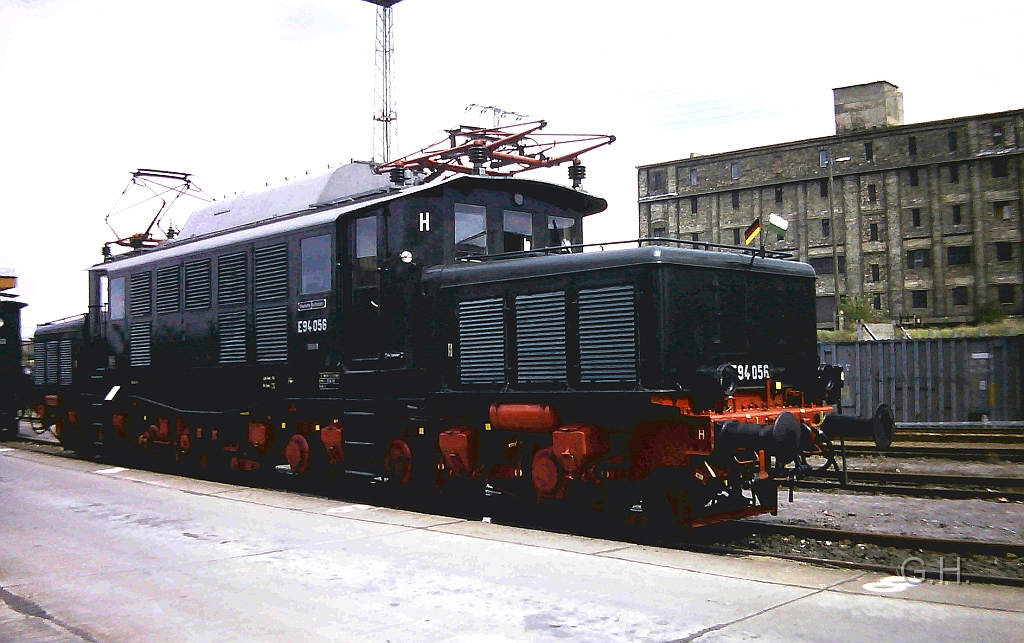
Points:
(362, 318)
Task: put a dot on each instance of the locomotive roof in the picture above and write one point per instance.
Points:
(556, 264)
(278, 219)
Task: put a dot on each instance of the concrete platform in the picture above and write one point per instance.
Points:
(103, 554)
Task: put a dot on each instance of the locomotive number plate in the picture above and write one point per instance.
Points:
(312, 325)
(751, 372)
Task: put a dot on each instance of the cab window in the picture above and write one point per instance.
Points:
(518, 229)
(470, 230)
(316, 264)
(116, 298)
(560, 231)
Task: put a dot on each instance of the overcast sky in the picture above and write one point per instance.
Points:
(245, 93)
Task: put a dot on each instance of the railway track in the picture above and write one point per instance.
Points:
(949, 487)
(958, 452)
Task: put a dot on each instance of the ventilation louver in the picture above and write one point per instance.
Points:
(39, 364)
(482, 342)
(231, 279)
(140, 343)
(66, 362)
(140, 292)
(231, 327)
(272, 272)
(52, 362)
(168, 290)
(607, 334)
(540, 337)
(272, 334)
(197, 285)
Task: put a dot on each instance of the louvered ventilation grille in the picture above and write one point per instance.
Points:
(52, 362)
(197, 285)
(140, 343)
(39, 365)
(65, 362)
(272, 273)
(140, 291)
(272, 334)
(482, 342)
(231, 279)
(232, 337)
(168, 290)
(540, 337)
(607, 323)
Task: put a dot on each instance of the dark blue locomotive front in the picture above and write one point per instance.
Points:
(450, 334)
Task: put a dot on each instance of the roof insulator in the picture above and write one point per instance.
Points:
(397, 175)
(477, 156)
(577, 172)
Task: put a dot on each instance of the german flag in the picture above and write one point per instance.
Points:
(751, 234)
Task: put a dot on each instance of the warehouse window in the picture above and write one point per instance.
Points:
(656, 181)
(659, 230)
(912, 145)
(915, 178)
(1000, 168)
(116, 298)
(876, 302)
(958, 255)
(823, 158)
(954, 141)
(960, 296)
(875, 272)
(1004, 251)
(736, 236)
(316, 264)
(734, 170)
(735, 199)
(695, 236)
(823, 187)
(997, 134)
(826, 228)
(1003, 209)
(873, 232)
(953, 171)
(869, 152)
(1005, 293)
(872, 193)
(915, 217)
(957, 214)
(693, 205)
(693, 177)
(919, 259)
(778, 195)
(470, 230)
(919, 299)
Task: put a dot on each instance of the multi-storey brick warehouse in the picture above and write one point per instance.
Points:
(927, 216)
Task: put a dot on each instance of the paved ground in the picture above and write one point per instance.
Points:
(96, 553)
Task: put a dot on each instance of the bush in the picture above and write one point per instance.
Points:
(990, 313)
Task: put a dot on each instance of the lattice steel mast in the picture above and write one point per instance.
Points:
(384, 115)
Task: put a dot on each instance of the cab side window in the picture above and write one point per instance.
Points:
(116, 298)
(470, 230)
(316, 264)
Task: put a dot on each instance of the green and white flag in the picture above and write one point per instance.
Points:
(778, 224)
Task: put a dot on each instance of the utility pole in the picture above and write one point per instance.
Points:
(384, 114)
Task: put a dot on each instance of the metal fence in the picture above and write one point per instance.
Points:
(932, 380)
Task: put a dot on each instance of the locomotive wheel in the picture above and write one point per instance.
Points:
(398, 462)
(547, 474)
(296, 452)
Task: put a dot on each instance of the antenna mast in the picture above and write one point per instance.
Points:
(384, 115)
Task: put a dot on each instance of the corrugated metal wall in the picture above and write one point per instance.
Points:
(932, 380)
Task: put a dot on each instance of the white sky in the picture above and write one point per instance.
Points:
(245, 93)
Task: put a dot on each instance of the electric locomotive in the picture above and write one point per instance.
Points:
(452, 335)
